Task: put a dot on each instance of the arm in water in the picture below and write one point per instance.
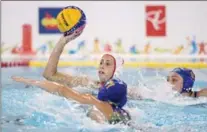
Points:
(133, 93)
(202, 92)
(69, 93)
(51, 73)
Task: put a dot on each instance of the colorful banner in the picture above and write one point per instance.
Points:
(47, 20)
(155, 21)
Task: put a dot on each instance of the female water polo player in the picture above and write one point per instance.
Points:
(182, 81)
(112, 95)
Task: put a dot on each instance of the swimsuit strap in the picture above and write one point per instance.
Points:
(195, 94)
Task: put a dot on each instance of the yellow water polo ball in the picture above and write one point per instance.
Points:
(70, 18)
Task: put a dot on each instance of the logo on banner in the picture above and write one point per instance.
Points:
(155, 21)
(47, 20)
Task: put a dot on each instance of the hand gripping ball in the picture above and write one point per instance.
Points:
(70, 19)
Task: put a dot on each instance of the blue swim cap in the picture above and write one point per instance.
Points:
(188, 78)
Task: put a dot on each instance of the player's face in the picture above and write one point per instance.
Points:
(176, 80)
(106, 68)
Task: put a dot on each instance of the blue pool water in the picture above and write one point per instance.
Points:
(30, 109)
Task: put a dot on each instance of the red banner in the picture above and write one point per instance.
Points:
(155, 20)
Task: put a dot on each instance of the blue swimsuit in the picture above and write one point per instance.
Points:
(115, 92)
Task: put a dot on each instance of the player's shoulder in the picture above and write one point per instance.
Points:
(116, 83)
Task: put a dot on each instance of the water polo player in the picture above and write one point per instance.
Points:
(112, 95)
(183, 80)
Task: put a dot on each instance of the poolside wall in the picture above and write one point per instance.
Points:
(110, 21)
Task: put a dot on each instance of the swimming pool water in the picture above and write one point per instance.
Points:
(30, 109)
